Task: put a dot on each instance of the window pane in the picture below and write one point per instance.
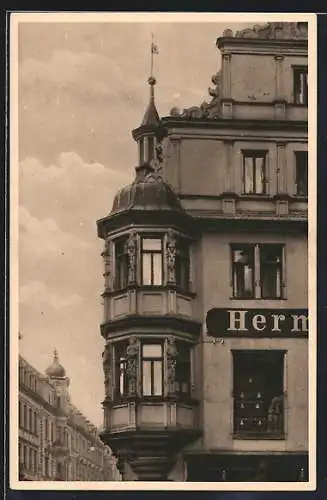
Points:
(152, 244)
(157, 269)
(243, 256)
(152, 350)
(146, 383)
(259, 175)
(157, 378)
(248, 174)
(270, 282)
(146, 269)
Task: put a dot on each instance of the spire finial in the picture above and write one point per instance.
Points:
(151, 79)
(55, 355)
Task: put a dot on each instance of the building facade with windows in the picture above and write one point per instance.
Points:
(56, 442)
(205, 267)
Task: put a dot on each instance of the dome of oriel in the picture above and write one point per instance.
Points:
(148, 192)
(55, 370)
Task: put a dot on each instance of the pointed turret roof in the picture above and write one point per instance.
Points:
(151, 116)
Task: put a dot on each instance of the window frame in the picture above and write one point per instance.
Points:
(304, 164)
(180, 362)
(119, 348)
(253, 155)
(279, 266)
(257, 271)
(121, 258)
(152, 360)
(160, 252)
(297, 72)
(260, 356)
(239, 247)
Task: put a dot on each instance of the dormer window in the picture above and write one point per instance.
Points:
(152, 261)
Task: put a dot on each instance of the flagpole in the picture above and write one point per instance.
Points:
(152, 45)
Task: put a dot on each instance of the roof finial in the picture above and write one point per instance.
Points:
(55, 355)
(152, 80)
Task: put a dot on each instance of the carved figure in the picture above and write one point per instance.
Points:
(131, 251)
(171, 257)
(171, 351)
(132, 359)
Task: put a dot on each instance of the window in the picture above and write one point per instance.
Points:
(152, 370)
(301, 85)
(152, 261)
(301, 173)
(243, 271)
(20, 415)
(183, 369)
(259, 263)
(46, 429)
(25, 419)
(121, 376)
(258, 392)
(271, 271)
(121, 263)
(254, 181)
(182, 262)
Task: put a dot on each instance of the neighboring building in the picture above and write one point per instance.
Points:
(56, 442)
(205, 300)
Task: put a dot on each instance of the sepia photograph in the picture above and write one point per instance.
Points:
(163, 273)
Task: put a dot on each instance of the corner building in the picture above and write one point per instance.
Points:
(205, 300)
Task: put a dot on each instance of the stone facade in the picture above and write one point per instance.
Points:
(56, 442)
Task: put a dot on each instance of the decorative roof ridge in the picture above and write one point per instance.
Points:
(210, 110)
(271, 31)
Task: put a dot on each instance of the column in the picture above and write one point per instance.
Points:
(226, 74)
(281, 168)
(280, 104)
(279, 77)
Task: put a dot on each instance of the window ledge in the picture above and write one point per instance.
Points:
(258, 298)
(259, 436)
(154, 288)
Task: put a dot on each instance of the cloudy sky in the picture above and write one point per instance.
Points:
(82, 89)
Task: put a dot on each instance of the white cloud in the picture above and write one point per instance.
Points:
(86, 70)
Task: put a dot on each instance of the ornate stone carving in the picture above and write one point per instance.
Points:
(280, 30)
(171, 257)
(107, 263)
(132, 361)
(205, 110)
(108, 369)
(131, 246)
(171, 352)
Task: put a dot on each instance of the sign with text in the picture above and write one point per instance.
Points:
(257, 322)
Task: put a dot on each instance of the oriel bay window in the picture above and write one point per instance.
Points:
(258, 271)
(152, 261)
(121, 374)
(258, 393)
(254, 172)
(152, 369)
(121, 263)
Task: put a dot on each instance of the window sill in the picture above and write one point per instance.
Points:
(258, 298)
(279, 436)
(166, 286)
